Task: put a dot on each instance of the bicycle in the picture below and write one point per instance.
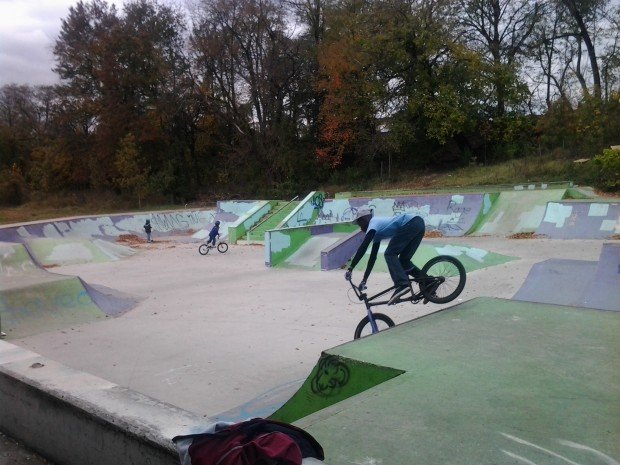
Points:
(441, 281)
(222, 247)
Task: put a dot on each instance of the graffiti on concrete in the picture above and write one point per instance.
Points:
(181, 221)
(452, 215)
(318, 200)
(331, 376)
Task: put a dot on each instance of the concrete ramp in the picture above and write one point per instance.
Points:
(487, 382)
(33, 300)
(605, 293)
(580, 220)
(517, 212)
(111, 227)
(16, 261)
(449, 215)
(58, 252)
(309, 254)
(59, 302)
(575, 282)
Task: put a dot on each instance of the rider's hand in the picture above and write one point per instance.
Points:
(348, 275)
(362, 286)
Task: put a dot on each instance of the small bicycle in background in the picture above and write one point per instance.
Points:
(443, 279)
(220, 245)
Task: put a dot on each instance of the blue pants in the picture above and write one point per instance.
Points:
(401, 248)
(211, 240)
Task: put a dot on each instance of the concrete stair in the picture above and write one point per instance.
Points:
(271, 220)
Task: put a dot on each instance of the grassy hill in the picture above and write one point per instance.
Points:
(524, 170)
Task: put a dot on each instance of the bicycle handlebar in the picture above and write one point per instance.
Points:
(358, 292)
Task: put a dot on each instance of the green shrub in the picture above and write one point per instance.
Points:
(12, 187)
(607, 166)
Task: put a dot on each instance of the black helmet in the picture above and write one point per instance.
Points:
(217, 223)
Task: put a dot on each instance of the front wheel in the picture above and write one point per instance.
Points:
(364, 327)
(447, 279)
(203, 249)
(222, 247)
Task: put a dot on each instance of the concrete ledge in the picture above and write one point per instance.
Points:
(338, 254)
(71, 417)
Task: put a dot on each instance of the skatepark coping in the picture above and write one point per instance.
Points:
(86, 419)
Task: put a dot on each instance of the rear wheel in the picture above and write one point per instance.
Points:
(203, 249)
(448, 281)
(365, 329)
(222, 247)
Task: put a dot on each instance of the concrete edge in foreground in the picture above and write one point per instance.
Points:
(72, 417)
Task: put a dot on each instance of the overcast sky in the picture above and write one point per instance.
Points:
(28, 29)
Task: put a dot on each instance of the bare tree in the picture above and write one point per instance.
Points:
(249, 66)
(502, 29)
(579, 11)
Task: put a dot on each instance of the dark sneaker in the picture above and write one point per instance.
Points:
(414, 272)
(398, 293)
(432, 287)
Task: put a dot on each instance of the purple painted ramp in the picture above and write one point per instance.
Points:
(605, 293)
(576, 283)
(558, 281)
(110, 301)
(452, 215)
(110, 227)
(580, 220)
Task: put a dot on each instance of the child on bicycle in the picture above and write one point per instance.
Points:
(405, 233)
(215, 232)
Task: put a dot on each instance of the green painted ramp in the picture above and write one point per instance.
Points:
(50, 304)
(309, 254)
(517, 212)
(472, 258)
(33, 300)
(62, 251)
(15, 261)
(487, 382)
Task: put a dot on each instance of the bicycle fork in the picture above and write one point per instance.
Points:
(371, 319)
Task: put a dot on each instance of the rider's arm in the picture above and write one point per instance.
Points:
(362, 249)
(371, 260)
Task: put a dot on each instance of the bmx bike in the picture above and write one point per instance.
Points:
(221, 246)
(441, 281)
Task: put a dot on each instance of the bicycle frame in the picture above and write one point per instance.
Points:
(217, 241)
(372, 301)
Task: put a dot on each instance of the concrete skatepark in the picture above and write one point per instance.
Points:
(223, 337)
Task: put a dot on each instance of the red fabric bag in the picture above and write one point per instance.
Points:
(236, 450)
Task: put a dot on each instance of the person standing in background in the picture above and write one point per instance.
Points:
(147, 229)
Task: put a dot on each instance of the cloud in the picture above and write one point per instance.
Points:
(28, 31)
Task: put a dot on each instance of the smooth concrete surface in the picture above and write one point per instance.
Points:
(487, 382)
(71, 417)
(212, 333)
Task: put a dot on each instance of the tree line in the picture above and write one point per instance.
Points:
(265, 97)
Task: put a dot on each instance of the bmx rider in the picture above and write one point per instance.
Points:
(405, 233)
